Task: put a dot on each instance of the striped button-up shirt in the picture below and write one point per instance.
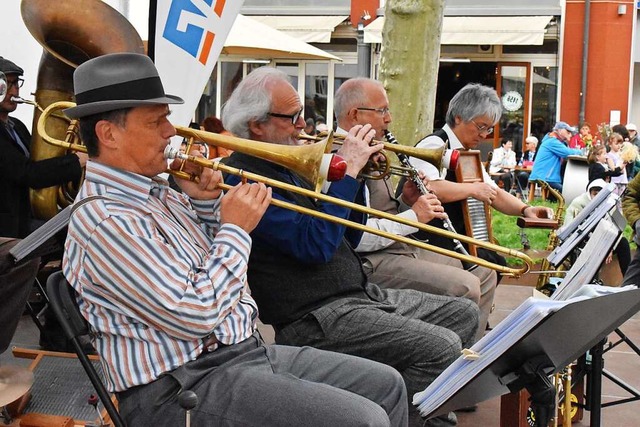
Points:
(156, 273)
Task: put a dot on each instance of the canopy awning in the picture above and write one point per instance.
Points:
(309, 29)
(254, 39)
(477, 30)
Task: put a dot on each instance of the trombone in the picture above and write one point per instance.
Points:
(287, 155)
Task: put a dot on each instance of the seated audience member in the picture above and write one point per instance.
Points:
(19, 173)
(304, 274)
(214, 125)
(394, 264)
(583, 138)
(310, 127)
(502, 164)
(470, 118)
(526, 162)
(552, 152)
(622, 250)
(162, 279)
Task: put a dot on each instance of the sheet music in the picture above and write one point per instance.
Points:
(43, 240)
(524, 319)
(581, 226)
(591, 257)
(568, 229)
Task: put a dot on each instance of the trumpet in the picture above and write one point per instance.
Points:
(439, 157)
(287, 155)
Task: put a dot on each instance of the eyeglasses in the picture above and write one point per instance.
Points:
(293, 117)
(17, 83)
(483, 129)
(382, 111)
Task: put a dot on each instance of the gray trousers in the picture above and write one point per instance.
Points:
(417, 333)
(250, 384)
(16, 283)
(433, 273)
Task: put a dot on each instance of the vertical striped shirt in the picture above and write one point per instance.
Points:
(157, 274)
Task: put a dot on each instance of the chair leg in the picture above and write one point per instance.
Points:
(544, 193)
(532, 191)
(97, 381)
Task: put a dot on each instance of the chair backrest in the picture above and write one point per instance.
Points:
(63, 302)
(64, 306)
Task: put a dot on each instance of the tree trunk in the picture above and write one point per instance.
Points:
(409, 65)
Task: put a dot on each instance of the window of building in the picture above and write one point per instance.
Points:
(291, 70)
(543, 106)
(316, 90)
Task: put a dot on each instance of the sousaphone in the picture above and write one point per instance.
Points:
(71, 32)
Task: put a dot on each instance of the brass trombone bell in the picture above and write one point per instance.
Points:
(308, 161)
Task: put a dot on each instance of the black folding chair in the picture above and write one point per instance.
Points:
(63, 302)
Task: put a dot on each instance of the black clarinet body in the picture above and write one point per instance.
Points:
(441, 223)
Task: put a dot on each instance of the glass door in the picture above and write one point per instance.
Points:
(513, 89)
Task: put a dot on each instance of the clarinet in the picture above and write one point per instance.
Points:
(446, 223)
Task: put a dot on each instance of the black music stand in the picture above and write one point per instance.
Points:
(572, 234)
(44, 242)
(547, 348)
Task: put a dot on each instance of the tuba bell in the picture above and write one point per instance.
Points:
(71, 32)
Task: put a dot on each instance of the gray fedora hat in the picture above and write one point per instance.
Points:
(115, 81)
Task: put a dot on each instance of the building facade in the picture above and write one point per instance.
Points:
(533, 53)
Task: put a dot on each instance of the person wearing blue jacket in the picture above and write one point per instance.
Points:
(551, 152)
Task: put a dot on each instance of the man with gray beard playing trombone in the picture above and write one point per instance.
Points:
(304, 274)
(398, 265)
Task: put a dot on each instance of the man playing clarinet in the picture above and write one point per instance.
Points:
(392, 264)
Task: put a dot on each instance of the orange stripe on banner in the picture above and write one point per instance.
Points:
(206, 47)
(219, 7)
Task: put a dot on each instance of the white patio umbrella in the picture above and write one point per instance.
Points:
(251, 38)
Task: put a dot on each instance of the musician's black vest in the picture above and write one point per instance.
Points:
(453, 209)
(456, 216)
(284, 287)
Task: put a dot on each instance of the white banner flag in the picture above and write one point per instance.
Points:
(189, 36)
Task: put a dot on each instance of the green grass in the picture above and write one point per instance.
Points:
(507, 232)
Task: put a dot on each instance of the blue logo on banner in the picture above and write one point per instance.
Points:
(191, 39)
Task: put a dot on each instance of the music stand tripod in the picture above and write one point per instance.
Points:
(546, 347)
(593, 222)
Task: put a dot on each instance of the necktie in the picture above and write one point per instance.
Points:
(17, 139)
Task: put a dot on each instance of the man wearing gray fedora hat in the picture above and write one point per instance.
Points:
(18, 172)
(161, 277)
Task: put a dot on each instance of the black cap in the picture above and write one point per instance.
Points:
(9, 67)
